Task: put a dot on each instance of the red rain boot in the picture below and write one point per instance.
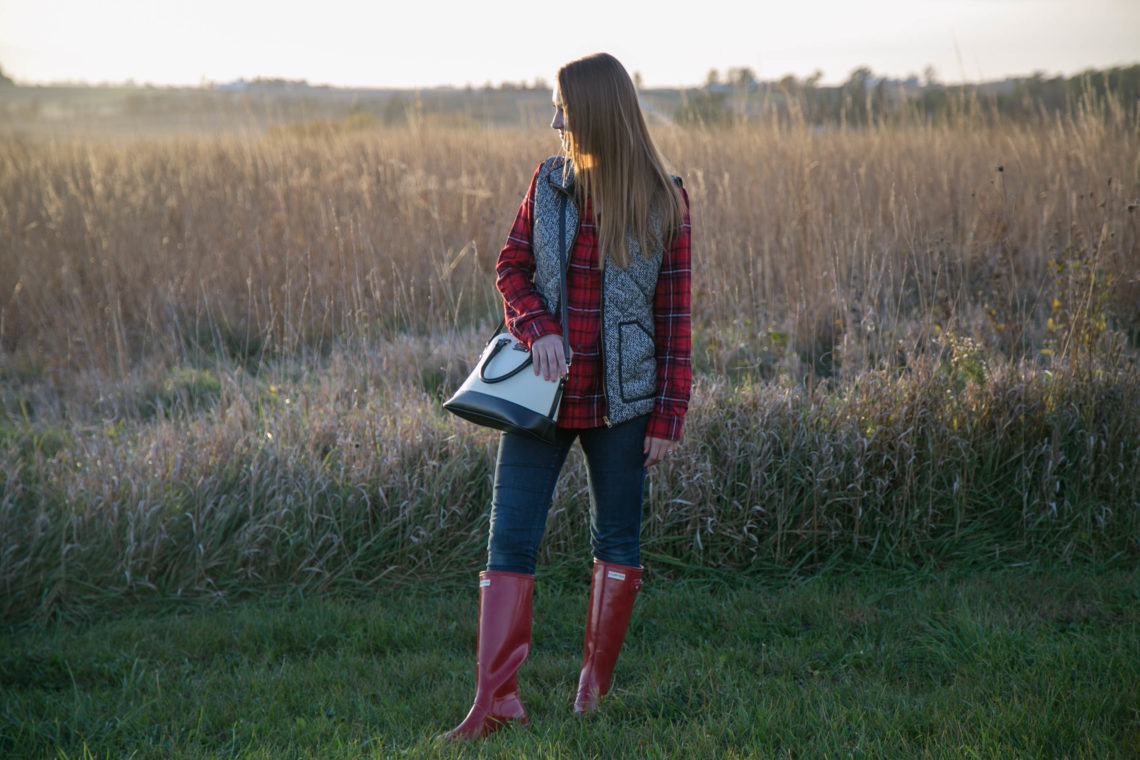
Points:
(612, 592)
(502, 643)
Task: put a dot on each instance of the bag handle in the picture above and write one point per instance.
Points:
(499, 346)
(565, 254)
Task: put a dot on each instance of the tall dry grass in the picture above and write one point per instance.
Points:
(222, 358)
(120, 251)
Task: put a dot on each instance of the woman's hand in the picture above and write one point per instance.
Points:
(549, 358)
(657, 449)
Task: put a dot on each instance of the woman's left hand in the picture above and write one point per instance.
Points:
(657, 449)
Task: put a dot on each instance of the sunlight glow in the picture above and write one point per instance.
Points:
(397, 44)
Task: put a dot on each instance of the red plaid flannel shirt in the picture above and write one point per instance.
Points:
(583, 398)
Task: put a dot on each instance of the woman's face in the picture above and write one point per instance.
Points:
(559, 120)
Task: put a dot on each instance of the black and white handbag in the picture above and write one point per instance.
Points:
(502, 391)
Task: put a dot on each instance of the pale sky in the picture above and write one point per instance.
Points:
(424, 43)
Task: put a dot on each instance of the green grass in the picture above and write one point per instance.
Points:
(994, 663)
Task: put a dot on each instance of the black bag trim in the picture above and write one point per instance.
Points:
(500, 414)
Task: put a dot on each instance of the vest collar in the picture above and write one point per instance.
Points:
(555, 175)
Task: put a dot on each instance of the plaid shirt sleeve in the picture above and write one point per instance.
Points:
(672, 324)
(523, 309)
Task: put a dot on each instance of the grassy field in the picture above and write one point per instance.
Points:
(222, 358)
(1016, 663)
(235, 521)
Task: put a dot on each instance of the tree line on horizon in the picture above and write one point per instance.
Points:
(866, 99)
(737, 95)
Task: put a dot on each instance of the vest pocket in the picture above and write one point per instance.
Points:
(637, 357)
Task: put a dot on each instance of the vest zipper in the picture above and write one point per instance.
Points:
(601, 306)
(602, 340)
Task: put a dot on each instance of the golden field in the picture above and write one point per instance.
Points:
(125, 250)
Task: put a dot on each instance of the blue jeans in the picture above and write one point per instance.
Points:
(525, 475)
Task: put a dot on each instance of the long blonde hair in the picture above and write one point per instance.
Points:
(615, 161)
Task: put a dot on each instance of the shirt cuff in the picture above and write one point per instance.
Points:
(666, 426)
(537, 328)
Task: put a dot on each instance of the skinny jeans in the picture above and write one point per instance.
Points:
(526, 472)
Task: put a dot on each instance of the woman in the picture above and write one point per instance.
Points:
(627, 378)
